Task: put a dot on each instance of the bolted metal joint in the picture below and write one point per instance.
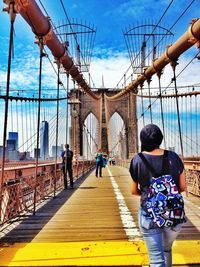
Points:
(10, 9)
(40, 43)
(157, 71)
(174, 64)
(192, 37)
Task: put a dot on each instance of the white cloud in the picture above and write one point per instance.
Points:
(111, 68)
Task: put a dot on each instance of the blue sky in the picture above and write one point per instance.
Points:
(110, 53)
(110, 56)
(110, 17)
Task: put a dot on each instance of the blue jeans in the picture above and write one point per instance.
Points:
(158, 240)
(98, 168)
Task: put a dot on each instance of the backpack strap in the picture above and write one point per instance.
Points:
(150, 168)
(165, 165)
(146, 163)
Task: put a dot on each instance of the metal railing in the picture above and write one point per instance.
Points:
(192, 173)
(20, 185)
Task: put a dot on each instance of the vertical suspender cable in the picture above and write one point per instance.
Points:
(161, 108)
(90, 138)
(11, 115)
(167, 118)
(142, 104)
(31, 146)
(128, 125)
(183, 117)
(26, 114)
(40, 43)
(150, 110)
(191, 130)
(22, 125)
(34, 125)
(176, 138)
(12, 19)
(196, 115)
(35, 115)
(17, 117)
(57, 114)
(67, 123)
(177, 105)
(172, 119)
(86, 133)
(186, 123)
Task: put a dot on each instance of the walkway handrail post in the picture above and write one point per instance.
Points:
(67, 120)
(57, 118)
(12, 14)
(41, 47)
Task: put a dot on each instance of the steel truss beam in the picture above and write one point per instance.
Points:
(172, 53)
(42, 28)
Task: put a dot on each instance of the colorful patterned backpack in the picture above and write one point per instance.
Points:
(163, 203)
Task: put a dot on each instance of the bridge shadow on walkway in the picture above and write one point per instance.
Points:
(26, 227)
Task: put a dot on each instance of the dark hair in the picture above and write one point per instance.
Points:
(67, 145)
(151, 137)
(148, 148)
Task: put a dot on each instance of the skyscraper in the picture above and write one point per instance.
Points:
(14, 136)
(59, 150)
(36, 153)
(12, 146)
(44, 140)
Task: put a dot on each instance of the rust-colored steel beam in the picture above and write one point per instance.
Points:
(187, 40)
(41, 27)
(170, 95)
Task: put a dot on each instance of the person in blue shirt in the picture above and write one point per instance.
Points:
(99, 163)
(104, 161)
(110, 160)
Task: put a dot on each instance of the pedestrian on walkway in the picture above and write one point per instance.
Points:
(99, 163)
(104, 161)
(158, 238)
(67, 157)
(110, 160)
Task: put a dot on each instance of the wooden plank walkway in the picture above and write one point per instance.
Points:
(95, 224)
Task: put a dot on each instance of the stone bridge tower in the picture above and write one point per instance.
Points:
(103, 108)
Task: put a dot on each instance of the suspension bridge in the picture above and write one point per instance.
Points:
(95, 223)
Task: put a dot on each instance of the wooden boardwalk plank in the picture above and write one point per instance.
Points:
(90, 218)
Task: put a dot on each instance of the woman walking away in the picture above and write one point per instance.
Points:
(158, 177)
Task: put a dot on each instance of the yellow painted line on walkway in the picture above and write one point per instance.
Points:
(112, 253)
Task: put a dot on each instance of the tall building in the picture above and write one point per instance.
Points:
(14, 136)
(59, 151)
(11, 144)
(44, 140)
(1, 152)
(11, 149)
(36, 152)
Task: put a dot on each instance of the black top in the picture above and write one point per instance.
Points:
(69, 155)
(142, 175)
